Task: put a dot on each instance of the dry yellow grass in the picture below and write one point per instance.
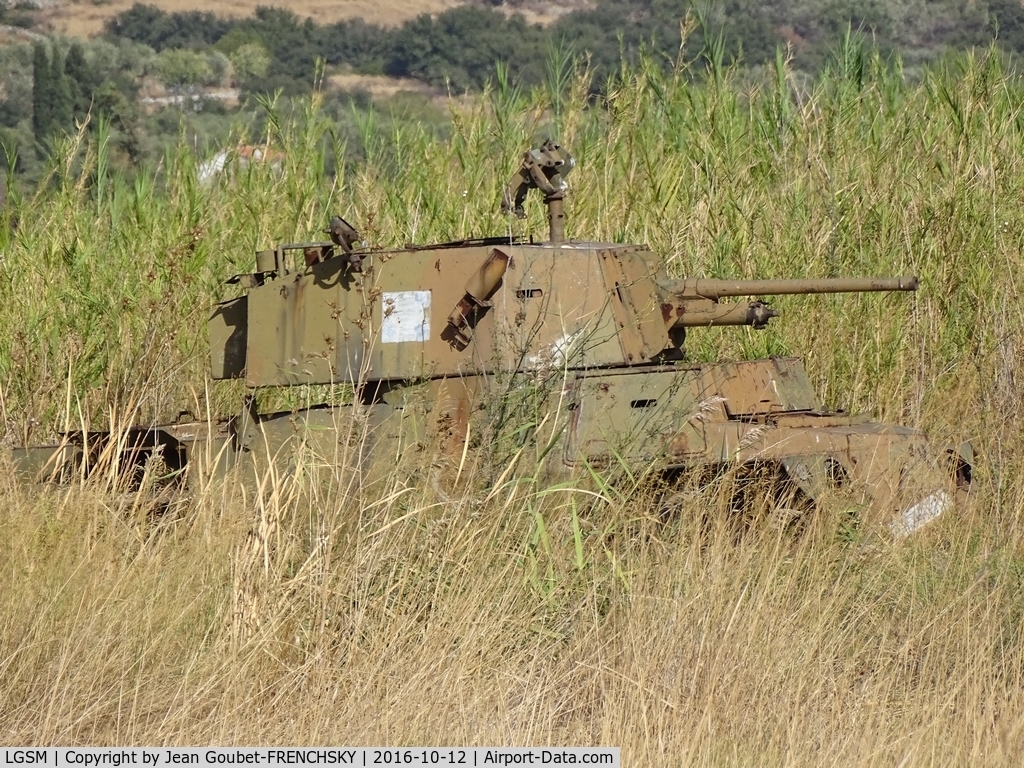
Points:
(379, 86)
(84, 18)
(305, 612)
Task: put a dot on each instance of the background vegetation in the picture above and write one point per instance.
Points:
(154, 74)
(498, 609)
(458, 47)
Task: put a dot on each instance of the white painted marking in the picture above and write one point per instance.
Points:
(557, 352)
(927, 509)
(406, 316)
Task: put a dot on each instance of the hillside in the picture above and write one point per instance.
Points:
(84, 18)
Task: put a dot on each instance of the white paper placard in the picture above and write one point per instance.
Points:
(406, 316)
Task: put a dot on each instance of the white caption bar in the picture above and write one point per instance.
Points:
(96, 757)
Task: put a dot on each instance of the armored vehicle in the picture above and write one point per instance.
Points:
(431, 336)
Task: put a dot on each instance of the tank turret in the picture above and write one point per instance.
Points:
(474, 307)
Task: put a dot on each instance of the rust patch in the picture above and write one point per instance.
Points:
(680, 445)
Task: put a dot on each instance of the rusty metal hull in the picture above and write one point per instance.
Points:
(760, 413)
(167, 454)
(666, 418)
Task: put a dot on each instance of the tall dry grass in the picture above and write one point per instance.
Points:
(297, 615)
(506, 610)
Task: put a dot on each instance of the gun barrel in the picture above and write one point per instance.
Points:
(720, 289)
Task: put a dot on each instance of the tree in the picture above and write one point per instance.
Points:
(51, 96)
(461, 45)
(123, 113)
(42, 93)
(250, 60)
(180, 69)
(160, 30)
(62, 111)
(82, 81)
